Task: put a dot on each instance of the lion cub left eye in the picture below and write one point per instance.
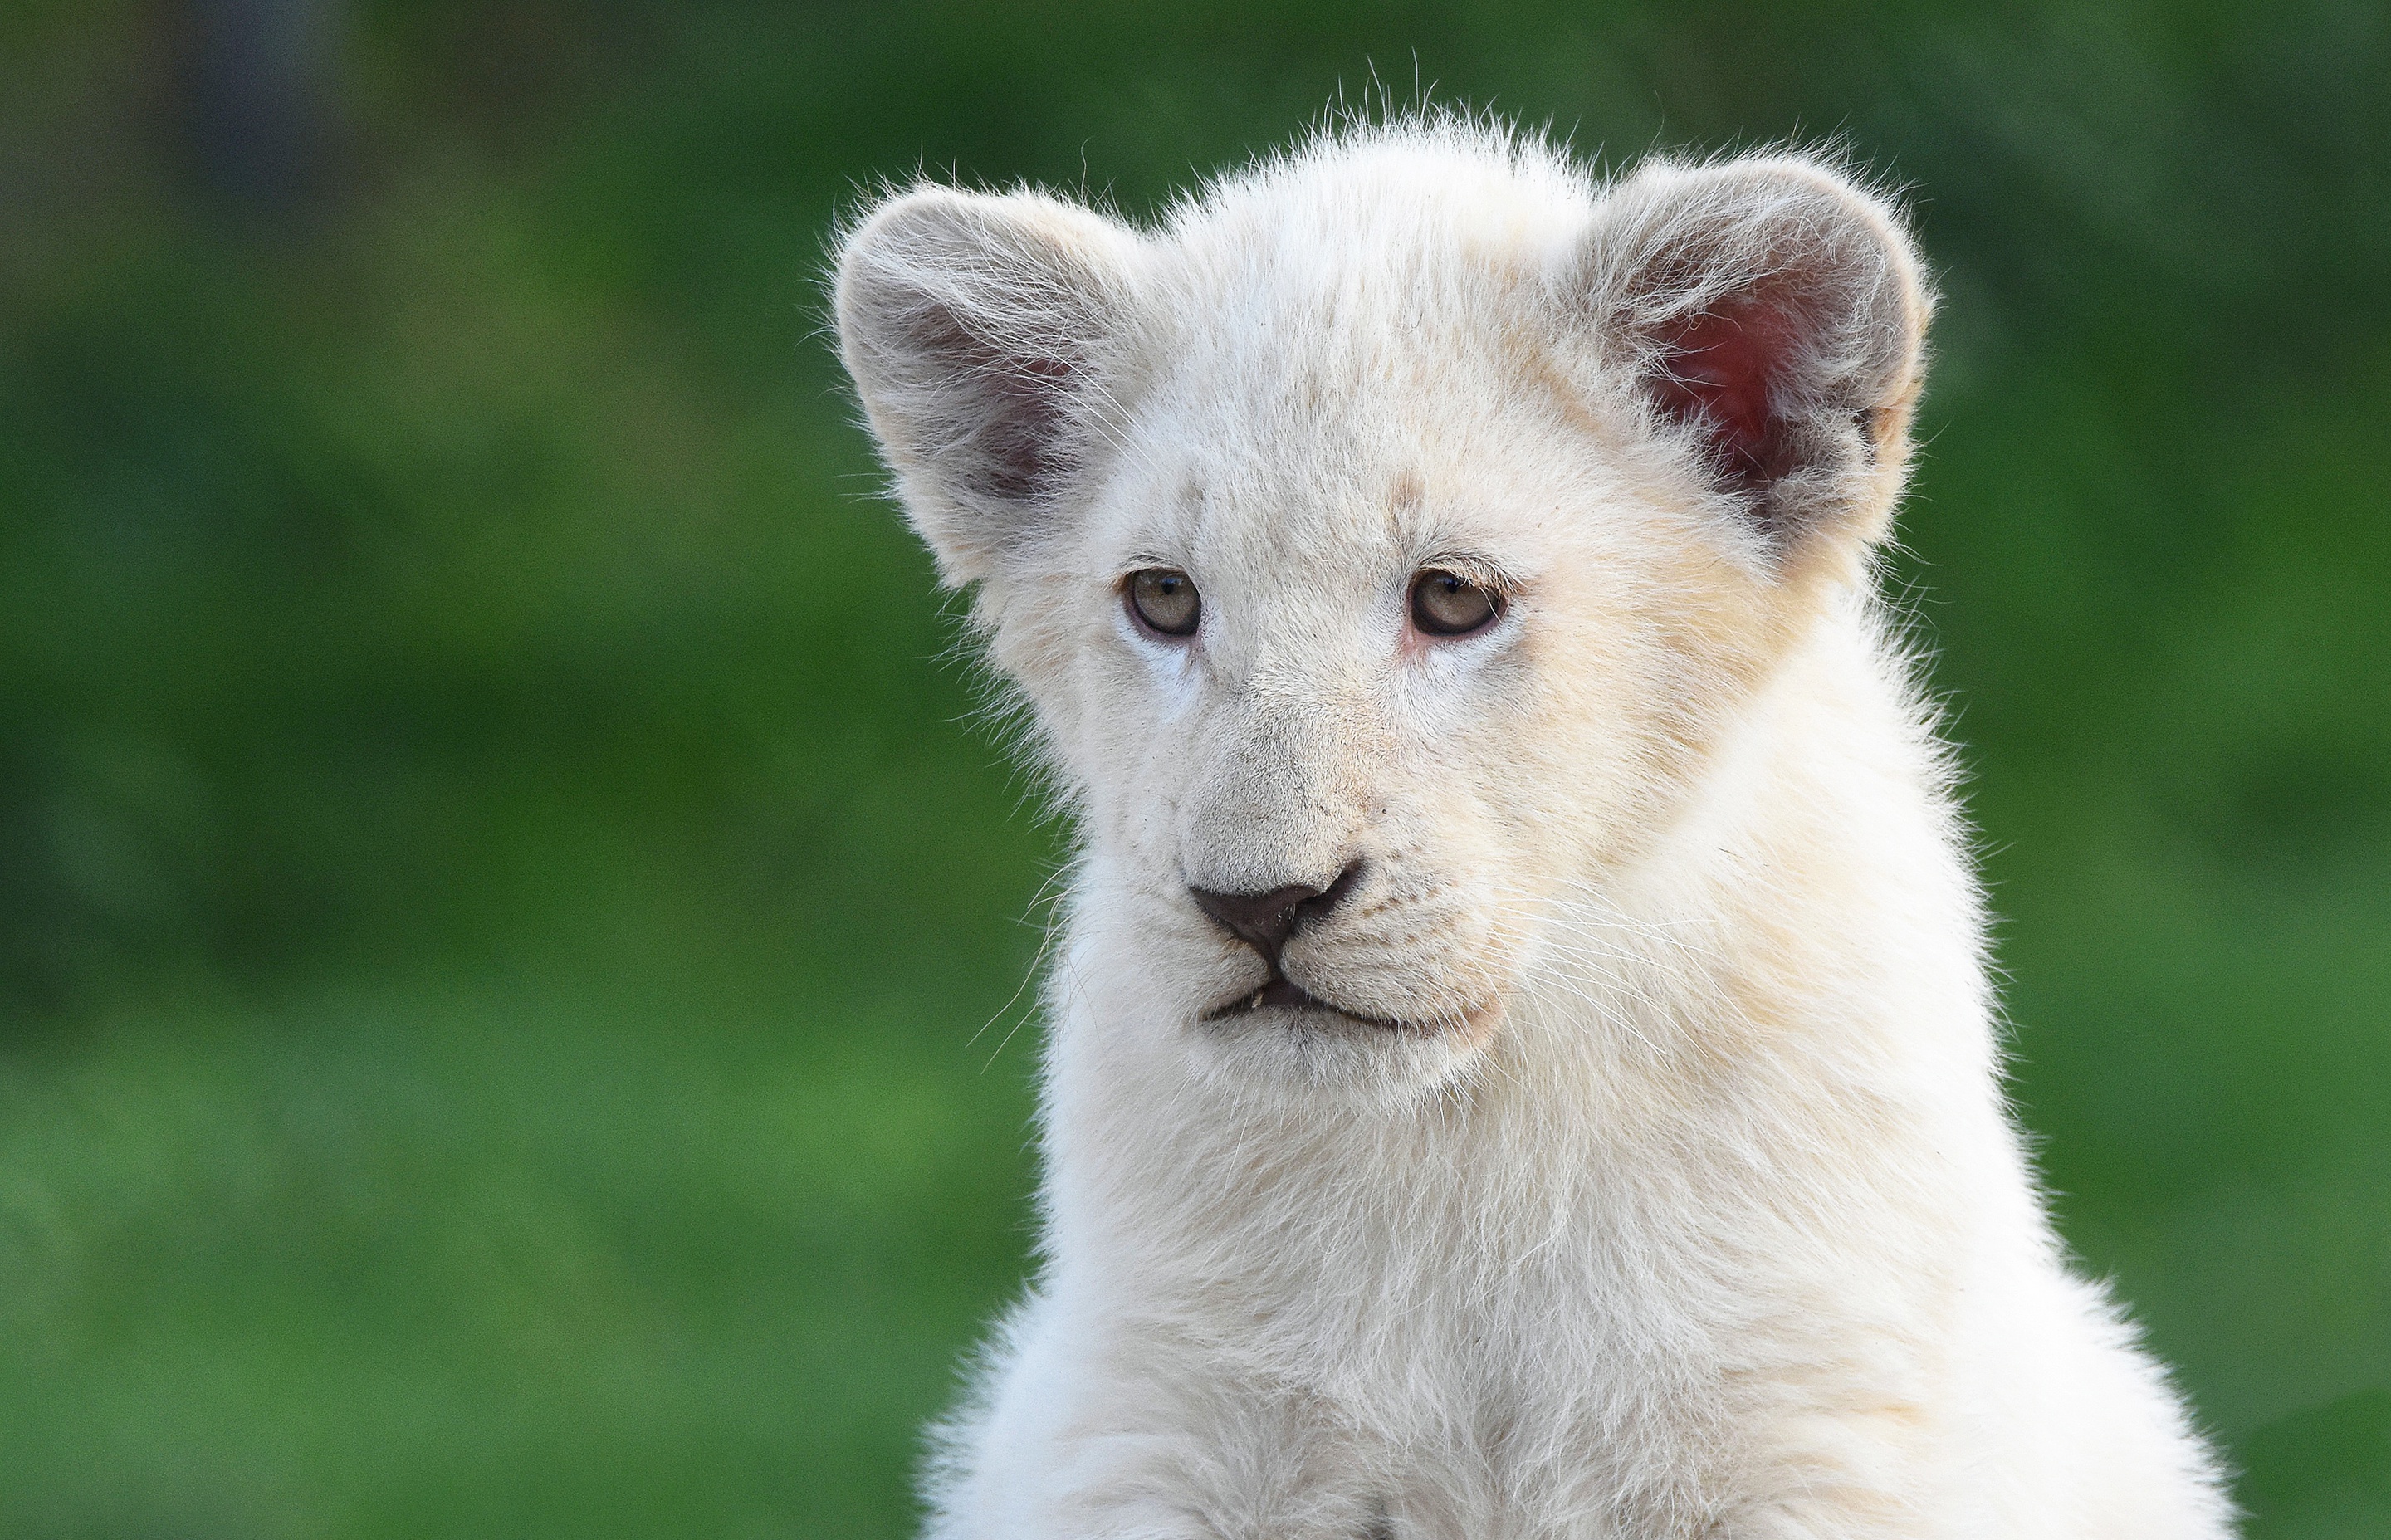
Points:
(1445, 603)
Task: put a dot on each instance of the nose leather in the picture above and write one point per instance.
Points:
(1264, 921)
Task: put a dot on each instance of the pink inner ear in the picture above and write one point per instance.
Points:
(1719, 370)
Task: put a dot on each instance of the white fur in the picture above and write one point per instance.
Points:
(1685, 1203)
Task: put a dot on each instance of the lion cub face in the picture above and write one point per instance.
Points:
(1383, 542)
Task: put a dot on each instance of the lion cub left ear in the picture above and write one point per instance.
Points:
(975, 327)
(1770, 317)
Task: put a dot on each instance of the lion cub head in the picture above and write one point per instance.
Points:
(1385, 539)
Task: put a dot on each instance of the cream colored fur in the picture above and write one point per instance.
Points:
(1683, 1201)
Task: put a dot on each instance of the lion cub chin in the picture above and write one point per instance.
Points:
(1521, 1061)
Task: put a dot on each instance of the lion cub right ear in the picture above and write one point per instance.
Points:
(975, 325)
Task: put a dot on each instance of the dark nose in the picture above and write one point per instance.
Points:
(1264, 921)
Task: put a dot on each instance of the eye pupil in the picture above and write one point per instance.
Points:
(1445, 603)
(1164, 600)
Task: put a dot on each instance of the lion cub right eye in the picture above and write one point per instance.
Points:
(1165, 599)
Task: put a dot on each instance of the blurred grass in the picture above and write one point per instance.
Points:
(496, 895)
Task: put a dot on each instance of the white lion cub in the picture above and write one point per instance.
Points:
(1522, 1062)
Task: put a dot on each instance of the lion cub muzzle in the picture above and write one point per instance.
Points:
(1264, 922)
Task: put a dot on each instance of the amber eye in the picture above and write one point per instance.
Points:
(1166, 600)
(1445, 603)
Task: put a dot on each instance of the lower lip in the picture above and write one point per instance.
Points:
(1291, 996)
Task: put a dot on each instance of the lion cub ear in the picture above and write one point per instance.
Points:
(973, 325)
(1771, 318)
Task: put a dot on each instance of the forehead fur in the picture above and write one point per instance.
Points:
(1354, 274)
(1305, 318)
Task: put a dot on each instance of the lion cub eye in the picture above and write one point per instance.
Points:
(1445, 603)
(1166, 600)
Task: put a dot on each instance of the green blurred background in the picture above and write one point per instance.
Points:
(498, 894)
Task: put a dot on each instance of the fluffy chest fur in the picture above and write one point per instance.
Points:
(1520, 1057)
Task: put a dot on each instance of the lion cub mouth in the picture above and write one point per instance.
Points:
(1282, 991)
